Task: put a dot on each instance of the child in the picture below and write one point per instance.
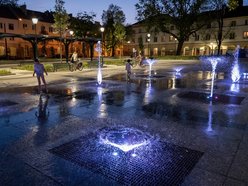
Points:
(39, 70)
(128, 69)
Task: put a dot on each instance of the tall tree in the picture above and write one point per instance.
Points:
(219, 9)
(61, 21)
(184, 15)
(84, 26)
(113, 20)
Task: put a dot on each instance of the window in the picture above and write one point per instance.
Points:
(42, 28)
(245, 35)
(50, 29)
(208, 37)
(1, 25)
(155, 39)
(11, 26)
(197, 37)
(25, 26)
(140, 30)
(163, 39)
(11, 38)
(233, 23)
(246, 22)
(232, 35)
(171, 38)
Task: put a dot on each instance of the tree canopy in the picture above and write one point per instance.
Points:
(184, 15)
(113, 20)
(61, 18)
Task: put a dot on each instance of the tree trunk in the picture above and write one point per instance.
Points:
(179, 48)
(67, 51)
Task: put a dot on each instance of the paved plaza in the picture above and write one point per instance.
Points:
(78, 133)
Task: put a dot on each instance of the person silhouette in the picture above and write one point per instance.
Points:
(39, 70)
(128, 69)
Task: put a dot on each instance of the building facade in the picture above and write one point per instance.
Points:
(203, 42)
(18, 22)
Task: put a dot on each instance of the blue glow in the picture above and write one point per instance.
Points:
(134, 155)
(115, 153)
(125, 139)
(150, 62)
(214, 61)
(178, 71)
(99, 73)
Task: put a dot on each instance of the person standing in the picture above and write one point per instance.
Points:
(128, 69)
(39, 70)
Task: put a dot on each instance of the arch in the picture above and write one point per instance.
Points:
(163, 51)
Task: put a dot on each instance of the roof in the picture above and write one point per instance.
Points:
(13, 12)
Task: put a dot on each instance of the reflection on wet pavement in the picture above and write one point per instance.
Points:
(158, 104)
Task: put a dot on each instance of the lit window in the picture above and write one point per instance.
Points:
(245, 35)
(171, 38)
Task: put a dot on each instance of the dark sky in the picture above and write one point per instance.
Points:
(76, 6)
(96, 6)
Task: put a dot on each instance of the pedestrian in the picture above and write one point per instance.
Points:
(74, 57)
(128, 69)
(39, 70)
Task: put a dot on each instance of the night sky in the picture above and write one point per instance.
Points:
(76, 6)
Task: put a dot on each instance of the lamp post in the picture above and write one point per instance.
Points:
(102, 31)
(35, 21)
(71, 34)
(148, 46)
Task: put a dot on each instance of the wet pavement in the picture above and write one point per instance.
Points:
(171, 106)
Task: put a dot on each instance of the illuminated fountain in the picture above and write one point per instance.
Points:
(150, 62)
(213, 61)
(235, 74)
(99, 73)
(125, 139)
(178, 72)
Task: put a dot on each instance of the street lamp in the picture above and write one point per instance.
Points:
(148, 46)
(71, 34)
(35, 21)
(102, 30)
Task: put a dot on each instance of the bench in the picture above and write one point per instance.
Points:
(57, 66)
